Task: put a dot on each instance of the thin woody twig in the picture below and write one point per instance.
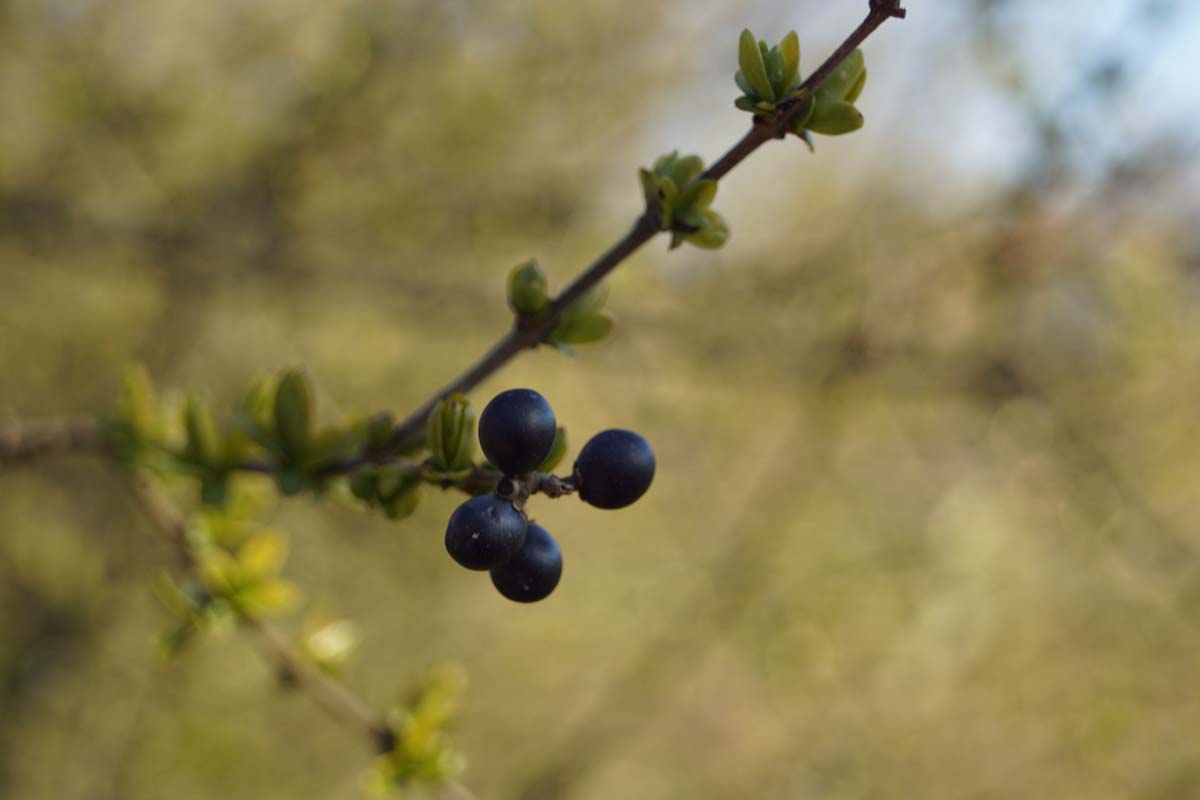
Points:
(28, 441)
(333, 697)
(22, 444)
(645, 229)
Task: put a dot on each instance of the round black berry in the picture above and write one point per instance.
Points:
(516, 431)
(615, 468)
(485, 531)
(533, 572)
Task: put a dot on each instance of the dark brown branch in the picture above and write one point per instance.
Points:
(524, 334)
(521, 337)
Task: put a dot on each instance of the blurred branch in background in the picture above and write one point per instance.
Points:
(34, 439)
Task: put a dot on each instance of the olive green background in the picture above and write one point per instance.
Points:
(924, 523)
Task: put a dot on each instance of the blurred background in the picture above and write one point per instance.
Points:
(923, 524)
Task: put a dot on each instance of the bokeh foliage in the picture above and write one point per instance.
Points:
(924, 520)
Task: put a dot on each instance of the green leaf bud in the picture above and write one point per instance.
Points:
(450, 433)
(527, 289)
(776, 71)
(378, 430)
(139, 404)
(293, 414)
(583, 329)
(682, 171)
(790, 49)
(203, 443)
(364, 485)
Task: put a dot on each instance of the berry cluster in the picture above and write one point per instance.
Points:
(517, 431)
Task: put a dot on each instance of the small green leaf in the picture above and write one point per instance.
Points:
(857, 88)
(838, 85)
(790, 48)
(739, 78)
(293, 414)
(698, 196)
(253, 431)
(139, 403)
(203, 444)
(685, 170)
(258, 404)
(527, 289)
(583, 329)
(835, 118)
(378, 430)
(591, 300)
(263, 554)
(394, 481)
(713, 235)
(746, 104)
(268, 597)
(363, 485)
(663, 164)
(402, 504)
(775, 70)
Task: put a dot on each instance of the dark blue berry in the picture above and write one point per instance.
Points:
(533, 572)
(615, 468)
(485, 531)
(516, 431)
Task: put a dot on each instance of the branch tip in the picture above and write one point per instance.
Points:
(890, 7)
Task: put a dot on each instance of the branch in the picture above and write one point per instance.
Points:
(524, 334)
(25, 442)
(333, 697)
